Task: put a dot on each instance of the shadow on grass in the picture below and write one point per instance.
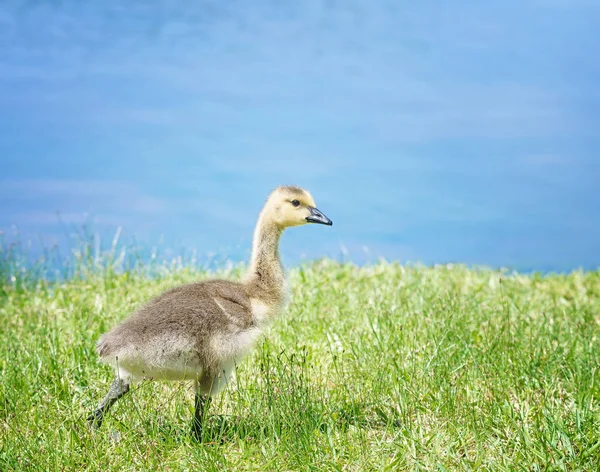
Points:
(222, 429)
(216, 430)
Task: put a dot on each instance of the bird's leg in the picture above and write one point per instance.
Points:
(118, 388)
(201, 404)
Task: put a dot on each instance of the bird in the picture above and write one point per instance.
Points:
(199, 331)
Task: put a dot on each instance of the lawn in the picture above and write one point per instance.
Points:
(382, 367)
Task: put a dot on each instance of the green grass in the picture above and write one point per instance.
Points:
(377, 368)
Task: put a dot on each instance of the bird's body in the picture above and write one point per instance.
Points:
(188, 333)
(199, 331)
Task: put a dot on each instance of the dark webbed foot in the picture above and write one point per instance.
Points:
(201, 404)
(95, 419)
(117, 389)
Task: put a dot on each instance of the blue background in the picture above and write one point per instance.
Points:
(428, 131)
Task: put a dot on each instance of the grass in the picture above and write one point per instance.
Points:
(382, 367)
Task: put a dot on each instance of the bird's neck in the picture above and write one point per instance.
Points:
(265, 277)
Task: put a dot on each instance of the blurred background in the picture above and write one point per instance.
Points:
(428, 131)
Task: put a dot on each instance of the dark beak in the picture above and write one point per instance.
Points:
(317, 217)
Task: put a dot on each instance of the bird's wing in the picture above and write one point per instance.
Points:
(236, 308)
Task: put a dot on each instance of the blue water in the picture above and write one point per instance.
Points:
(428, 133)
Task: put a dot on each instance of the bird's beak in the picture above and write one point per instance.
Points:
(317, 217)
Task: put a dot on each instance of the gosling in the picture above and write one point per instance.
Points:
(199, 331)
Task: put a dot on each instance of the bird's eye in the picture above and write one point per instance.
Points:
(295, 203)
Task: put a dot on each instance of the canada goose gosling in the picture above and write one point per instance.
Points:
(199, 331)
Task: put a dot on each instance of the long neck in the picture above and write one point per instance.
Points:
(265, 276)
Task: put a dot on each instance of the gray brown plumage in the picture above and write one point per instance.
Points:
(199, 331)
